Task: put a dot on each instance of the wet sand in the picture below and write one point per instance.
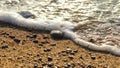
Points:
(23, 48)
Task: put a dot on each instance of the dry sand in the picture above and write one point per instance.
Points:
(23, 48)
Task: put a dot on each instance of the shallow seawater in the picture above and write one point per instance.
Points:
(76, 11)
(102, 33)
(68, 10)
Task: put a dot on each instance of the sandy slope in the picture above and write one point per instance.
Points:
(28, 53)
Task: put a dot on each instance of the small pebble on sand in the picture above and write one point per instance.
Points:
(50, 58)
(16, 40)
(56, 34)
(35, 41)
(4, 46)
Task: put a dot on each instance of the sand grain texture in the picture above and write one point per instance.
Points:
(29, 54)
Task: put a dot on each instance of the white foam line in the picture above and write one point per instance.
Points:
(105, 48)
(16, 19)
(65, 27)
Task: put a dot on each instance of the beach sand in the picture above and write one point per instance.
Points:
(23, 48)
